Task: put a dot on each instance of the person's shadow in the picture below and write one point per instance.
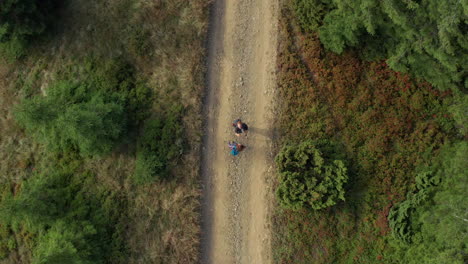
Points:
(261, 131)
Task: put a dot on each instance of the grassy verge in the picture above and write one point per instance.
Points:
(388, 126)
(161, 47)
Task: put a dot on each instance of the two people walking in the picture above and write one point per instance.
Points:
(239, 129)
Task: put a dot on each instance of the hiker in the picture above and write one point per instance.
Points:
(235, 147)
(240, 127)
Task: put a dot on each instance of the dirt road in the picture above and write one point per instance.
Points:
(241, 63)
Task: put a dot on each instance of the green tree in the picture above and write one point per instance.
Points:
(74, 117)
(309, 178)
(425, 38)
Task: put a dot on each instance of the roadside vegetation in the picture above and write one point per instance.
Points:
(100, 112)
(349, 76)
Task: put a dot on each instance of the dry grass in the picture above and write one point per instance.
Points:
(164, 40)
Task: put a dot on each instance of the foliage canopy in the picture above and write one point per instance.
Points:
(309, 178)
(310, 13)
(399, 216)
(425, 38)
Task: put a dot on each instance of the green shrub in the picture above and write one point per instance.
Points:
(310, 13)
(7, 241)
(20, 21)
(399, 216)
(139, 101)
(159, 145)
(74, 116)
(459, 111)
(44, 198)
(309, 178)
(13, 49)
(63, 243)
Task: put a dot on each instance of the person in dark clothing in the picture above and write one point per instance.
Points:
(240, 127)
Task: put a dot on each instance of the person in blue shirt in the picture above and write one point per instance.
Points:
(235, 147)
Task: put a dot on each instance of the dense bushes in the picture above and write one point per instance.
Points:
(309, 178)
(159, 145)
(458, 109)
(7, 240)
(20, 20)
